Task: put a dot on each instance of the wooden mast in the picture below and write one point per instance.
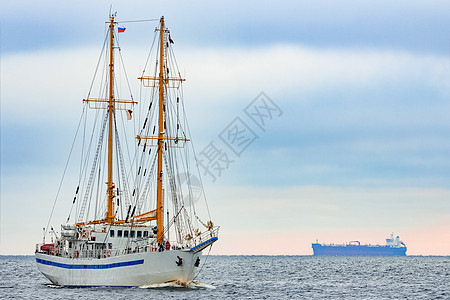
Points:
(159, 193)
(163, 82)
(111, 104)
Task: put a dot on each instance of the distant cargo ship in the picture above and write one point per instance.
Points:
(393, 247)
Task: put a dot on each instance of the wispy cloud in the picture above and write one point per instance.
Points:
(340, 105)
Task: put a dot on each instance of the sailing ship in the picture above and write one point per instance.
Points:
(393, 247)
(144, 226)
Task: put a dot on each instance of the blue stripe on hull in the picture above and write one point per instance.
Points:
(103, 266)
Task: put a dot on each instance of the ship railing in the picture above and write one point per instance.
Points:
(149, 247)
(103, 253)
(211, 233)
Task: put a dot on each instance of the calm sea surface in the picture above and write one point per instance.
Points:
(260, 277)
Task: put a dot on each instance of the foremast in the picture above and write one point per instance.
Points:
(111, 109)
(110, 105)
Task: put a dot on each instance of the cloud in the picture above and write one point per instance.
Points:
(412, 25)
(352, 117)
(304, 69)
(339, 105)
(62, 77)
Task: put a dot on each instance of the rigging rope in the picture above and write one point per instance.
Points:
(206, 259)
(94, 166)
(135, 21)
(122, 165)
(64, 173)
(98, 63)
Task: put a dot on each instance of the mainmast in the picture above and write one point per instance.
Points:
(159, 188)
(163, 82)
(111, 107)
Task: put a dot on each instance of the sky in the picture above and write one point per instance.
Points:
(354, 144)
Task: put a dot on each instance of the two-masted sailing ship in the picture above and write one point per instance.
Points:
(144, 226)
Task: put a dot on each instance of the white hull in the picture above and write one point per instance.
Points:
(134, 269)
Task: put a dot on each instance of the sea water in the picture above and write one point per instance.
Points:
(259, 277)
